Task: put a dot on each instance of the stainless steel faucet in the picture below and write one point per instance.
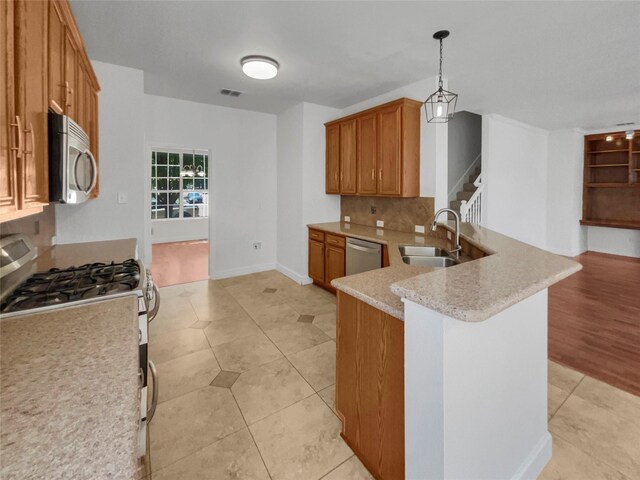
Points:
(434, 226)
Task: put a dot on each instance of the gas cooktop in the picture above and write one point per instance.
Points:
(58, 286)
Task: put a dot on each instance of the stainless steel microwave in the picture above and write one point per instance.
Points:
(73, 171)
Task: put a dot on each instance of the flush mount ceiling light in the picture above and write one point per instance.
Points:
(441, 105)
(259, 67)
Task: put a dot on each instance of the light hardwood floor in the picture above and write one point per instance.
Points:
(180, 262)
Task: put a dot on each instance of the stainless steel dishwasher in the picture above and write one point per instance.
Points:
(362, 256)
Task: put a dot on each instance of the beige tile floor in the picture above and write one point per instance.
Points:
(247, 375)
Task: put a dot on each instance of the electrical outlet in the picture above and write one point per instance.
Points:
(380, 223)
(123, 198)
(257, 245)
(419, 228)
(448, 234)
(54, 240)
(373, 209)
(347, 218)
(380, 232)
(419, 240)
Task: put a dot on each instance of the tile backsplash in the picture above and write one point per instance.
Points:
(401, 214)
(40, 227)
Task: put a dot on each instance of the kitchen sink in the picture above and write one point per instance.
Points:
(420, 261)
(426, 256)
(422, 251)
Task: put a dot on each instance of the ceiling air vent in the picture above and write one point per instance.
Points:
(230, 93)
(624, 124)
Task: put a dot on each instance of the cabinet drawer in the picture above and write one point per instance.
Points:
(335, 240)
(316, 235)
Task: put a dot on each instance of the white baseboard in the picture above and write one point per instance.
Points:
(176, 238)
(236, 272)
(296, 277)
(539, 457)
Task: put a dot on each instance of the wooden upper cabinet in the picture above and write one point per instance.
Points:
(8, 122)
(389, 148)
(367, 154)
(348, 157)
(386, 157)
(57, 90)
(32, 100)
(70, 66)
(333, 159)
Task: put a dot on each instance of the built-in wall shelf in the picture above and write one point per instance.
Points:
(611, 193)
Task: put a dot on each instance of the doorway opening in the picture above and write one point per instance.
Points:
(180, 215)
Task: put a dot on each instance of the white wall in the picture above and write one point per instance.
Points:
(291, 240)
(617, 241)
(179, 230)
(565, 235)
(121, 142)
(301, 184)
(464, 146)
(433, 139)
(242, 176)
(514, 166)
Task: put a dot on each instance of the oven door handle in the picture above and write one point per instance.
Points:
(154, 399)
(156, 304)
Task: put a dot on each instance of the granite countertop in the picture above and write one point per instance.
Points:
(472, 291)
(69, 386)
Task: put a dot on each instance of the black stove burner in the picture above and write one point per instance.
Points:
(72, 284)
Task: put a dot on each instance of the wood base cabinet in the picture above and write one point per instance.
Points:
(326, 258)
(375, 152)
(370, 386)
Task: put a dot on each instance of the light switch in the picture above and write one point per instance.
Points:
(419, 228)
(123, 197)
(380, 223)
(347, 218)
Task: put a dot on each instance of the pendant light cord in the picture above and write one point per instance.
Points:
(440, 75)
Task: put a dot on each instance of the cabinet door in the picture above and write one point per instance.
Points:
(389, 150)
(81, 95)
(316, 261)
(93, 137)
(367, 151)
(334, 263)
(57, 90)
(333, 159)
(348, 158)
(70, 66)
(32, 100)
(8, 124)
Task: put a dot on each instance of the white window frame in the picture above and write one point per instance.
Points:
(180, 152)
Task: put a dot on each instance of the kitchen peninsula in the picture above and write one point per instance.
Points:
(431, 362)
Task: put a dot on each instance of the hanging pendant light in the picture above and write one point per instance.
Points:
(441, 105)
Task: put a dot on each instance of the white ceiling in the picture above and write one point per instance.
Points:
(550, 64)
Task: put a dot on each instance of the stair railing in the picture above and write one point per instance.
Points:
(471, 210)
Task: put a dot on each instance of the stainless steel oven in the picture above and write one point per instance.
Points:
(73, 171)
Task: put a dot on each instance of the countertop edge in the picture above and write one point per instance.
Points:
(369, 300)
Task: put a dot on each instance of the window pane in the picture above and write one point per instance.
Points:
(174, 184)
(174, 199)
(187, 183)
(162, 184)
(199, 161)
(174, 171)
(161, 212)
(206, 165)
(153, 158)
(161, 158)
(196, 204)
(153, 184)
(187, 159)
(153, 171)
(198, 183)
(174, 159)
(162, 198)
(162, 171)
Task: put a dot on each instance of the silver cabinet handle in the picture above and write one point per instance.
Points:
(154, 399)
(156, 305)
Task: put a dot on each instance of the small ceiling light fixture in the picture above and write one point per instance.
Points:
(629, 134)
(259, 67)
(609, 138)
(441, 105)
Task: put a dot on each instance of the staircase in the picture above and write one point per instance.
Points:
(468, 201)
